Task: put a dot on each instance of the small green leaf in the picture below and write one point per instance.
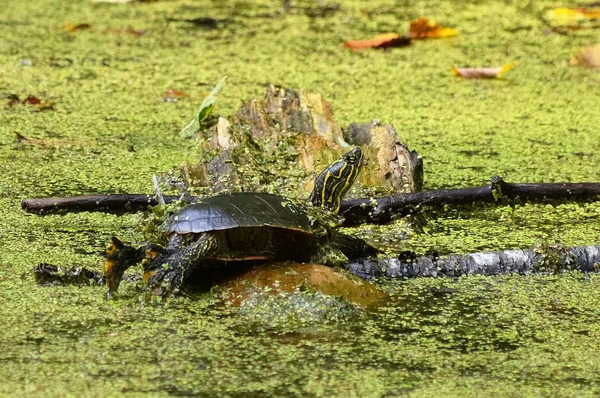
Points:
(204, 113)
(205, 110)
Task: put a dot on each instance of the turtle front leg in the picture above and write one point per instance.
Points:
(167, 272)
(119, 258)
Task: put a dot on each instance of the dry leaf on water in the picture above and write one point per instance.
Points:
(34, 141)
(69, 27)
(588, 57)
(38, 104)
(424, 28)
(421, 28)
(380, 41)
(590, 14)
(22, 138)
(33, 100)
(562, 20)
(481, 73)
(570, 16)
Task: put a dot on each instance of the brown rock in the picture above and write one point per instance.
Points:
(285, 278)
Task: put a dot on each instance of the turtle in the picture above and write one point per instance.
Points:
(243, 226)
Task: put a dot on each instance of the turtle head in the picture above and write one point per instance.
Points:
(333, 183)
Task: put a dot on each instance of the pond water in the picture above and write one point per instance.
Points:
(110, 130)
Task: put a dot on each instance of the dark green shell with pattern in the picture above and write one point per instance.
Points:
(237, 210)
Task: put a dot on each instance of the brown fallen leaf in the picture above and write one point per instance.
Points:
(69, 27)
(33, 100)
(38, 104)
(424, 28)
(481, 73)
(591, 14)
(571, 16)
(22, 138)
(588, 57)
(380, 41)
(562, 20)
(35, 141)
(564, 16)
(126, 31)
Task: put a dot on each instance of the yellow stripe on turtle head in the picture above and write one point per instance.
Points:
(333, 183)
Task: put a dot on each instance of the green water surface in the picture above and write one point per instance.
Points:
(110, 130)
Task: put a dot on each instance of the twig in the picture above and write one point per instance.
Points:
(157, 192)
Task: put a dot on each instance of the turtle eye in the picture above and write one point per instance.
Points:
(354, 156)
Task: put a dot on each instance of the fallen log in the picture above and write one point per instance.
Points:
(355, 211)
(504, 262)
(117, 203)
(383, 210)
(552, 259)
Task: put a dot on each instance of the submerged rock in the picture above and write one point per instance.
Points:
(299, 295)
(278, 279)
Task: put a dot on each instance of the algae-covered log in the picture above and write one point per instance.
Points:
(281, 140)
(398, 167)
(354, 211)
(548, 259)
(119, 203)
(383, 210)
(48, 274)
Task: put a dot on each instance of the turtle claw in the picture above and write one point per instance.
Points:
(166, 280)
(167, 271)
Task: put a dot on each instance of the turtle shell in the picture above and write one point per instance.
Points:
(241, 209)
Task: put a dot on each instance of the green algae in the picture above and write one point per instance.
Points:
(525, 336)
